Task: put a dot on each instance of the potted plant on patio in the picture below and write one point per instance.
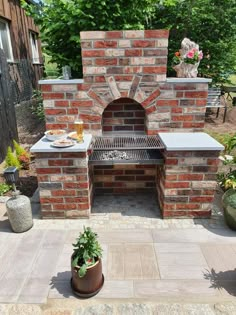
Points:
(86, 265)
(227, 181)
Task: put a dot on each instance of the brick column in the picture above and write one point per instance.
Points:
(64, 184)
(186, 182)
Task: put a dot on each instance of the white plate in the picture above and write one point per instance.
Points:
(63, 143)
(73, 135)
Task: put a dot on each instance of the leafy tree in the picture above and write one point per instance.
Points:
(211, 24)
(61, 21)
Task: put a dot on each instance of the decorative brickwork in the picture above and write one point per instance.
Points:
(125, 89)
(187, 183)
(64, 185)
(125, 179)
(131, 66)
(167, 106)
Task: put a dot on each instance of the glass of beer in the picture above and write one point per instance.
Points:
(78, 125)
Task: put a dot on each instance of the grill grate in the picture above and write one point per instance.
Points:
(130, 157)
(123, 142)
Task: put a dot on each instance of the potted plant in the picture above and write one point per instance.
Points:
(227, 181)
(186, 61)
(229, 205)
(86, 265)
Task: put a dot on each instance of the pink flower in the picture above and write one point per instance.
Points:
(200, 56)
(190, 54)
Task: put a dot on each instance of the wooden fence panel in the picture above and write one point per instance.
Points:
(8, 126)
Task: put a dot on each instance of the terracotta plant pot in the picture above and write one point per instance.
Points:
(229, 206)
(91, 283)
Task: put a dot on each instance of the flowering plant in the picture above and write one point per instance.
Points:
(192, 56)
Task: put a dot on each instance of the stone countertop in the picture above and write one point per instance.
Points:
(61, 81)
(43, 145)
(187, 141)
(188, 80)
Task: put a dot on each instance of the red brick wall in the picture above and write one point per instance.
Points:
(187, 183)
(123, 115)
(167, 106)
(126, 65)
(124, 53)
(64, 184)
(116, 179)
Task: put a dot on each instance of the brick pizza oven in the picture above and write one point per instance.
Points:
(125, 93)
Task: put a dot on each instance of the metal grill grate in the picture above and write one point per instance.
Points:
(131, 157)
(129, 142)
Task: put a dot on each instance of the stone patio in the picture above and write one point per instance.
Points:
(192, 261)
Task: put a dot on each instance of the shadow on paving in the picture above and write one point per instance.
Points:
(61, 284)
(222, 280)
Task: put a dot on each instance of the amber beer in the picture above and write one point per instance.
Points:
(78, 125)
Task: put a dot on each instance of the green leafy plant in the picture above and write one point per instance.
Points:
(87, 251)
(37, 108)
(231, 144)
(193, 56)
(20, 158)
(11, 159)
(18, 148)
(227, 180)
(4, 188)
(22, 155)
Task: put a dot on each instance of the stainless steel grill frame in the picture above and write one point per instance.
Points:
(127, 142)
(134, 157)
(140, 149)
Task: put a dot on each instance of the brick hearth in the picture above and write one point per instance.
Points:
(125, 89)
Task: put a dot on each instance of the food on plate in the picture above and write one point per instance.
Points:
(73, 135)
(63, 143)
(55, 134)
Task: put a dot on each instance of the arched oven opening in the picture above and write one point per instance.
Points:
(123, 116)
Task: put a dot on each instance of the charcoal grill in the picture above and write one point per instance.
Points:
(108, 150)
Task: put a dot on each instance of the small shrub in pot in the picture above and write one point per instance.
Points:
(86, 265)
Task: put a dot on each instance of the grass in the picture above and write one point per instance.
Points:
(51, 69)
(223, 138)
(233, 79)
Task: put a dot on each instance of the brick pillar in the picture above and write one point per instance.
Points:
(187, 183)
(64, 184)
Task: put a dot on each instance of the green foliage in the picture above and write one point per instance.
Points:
(229, 198)
(4, 188)
(11, 159)
(227, 180)
(18, 149)
(211, 24)
(62, 35)
(231, 144)
(86, 252)
(37, 108)
(223, 138)
(20, 158)
(51, 69)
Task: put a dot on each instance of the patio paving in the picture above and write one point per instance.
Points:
(144, 258)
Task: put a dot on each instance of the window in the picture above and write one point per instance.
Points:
(5, 40)
(34, 47)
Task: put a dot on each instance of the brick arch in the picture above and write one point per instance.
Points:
(112, 90)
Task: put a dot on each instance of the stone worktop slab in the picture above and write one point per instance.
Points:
(187, 141)
(43, 145)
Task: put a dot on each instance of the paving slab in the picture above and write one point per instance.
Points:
(145, 259)
(173, 288)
